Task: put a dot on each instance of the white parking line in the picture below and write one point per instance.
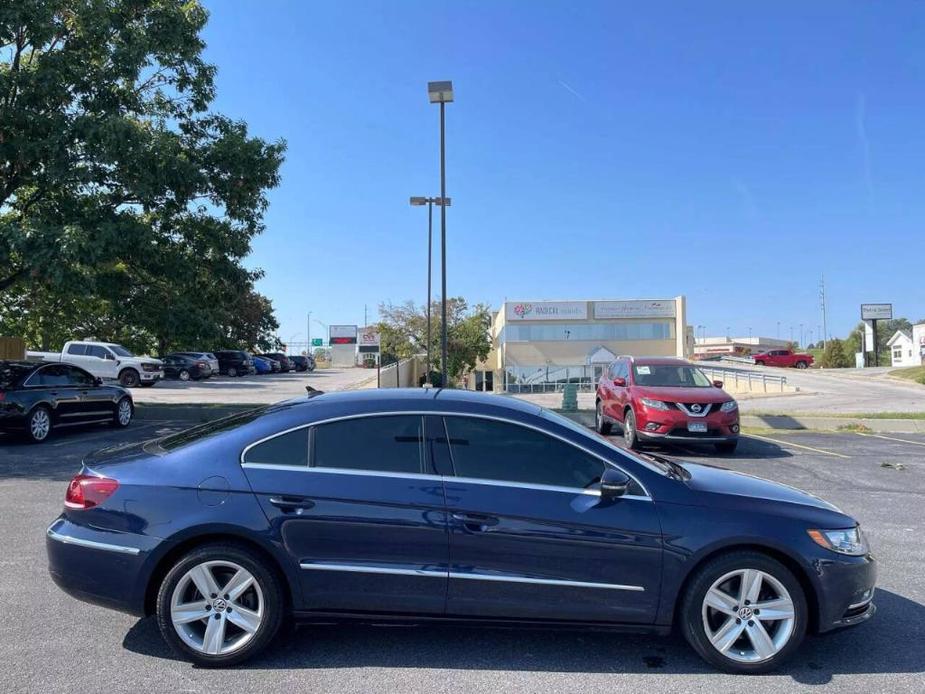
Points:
(797, 445)
(892, 438)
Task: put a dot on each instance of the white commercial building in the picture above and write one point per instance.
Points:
(907, 348)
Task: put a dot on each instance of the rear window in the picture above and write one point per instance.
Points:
(11, 373)
(204, 431)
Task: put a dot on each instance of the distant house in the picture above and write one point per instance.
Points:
(907, 348)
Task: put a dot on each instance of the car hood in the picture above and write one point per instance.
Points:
(707, 478)
(701, 395)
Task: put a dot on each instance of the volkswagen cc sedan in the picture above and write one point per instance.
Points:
(416, 505)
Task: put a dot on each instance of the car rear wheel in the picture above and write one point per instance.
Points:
(129, 378)
(802, 365)
(744, 613)
(232, 371)
(38, 427)
(630, 438)
(727, 447)
(183, 375)
(124, 413)
(219, 605)
(601, 424)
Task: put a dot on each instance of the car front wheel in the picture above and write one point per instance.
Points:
(219, 605)
(601, 424)
(232, 371)
(802, 365)
(129, 378)
(744, 612)
(630, 439)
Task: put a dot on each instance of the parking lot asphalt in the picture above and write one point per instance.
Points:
(50, 642)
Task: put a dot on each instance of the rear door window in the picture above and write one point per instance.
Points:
(289, 449)
(378, 444)
(77, 350)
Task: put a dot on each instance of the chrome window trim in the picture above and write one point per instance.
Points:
(440, 413)
(429, 573)
(105, 546)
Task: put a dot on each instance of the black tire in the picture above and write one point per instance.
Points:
(129, 378)
(264, 576)
(600, 424)
(117, 418)
(630, 438)
(691, 612)
(232, 371)
(802, 365)
(184, 375)
(726, 447)
(38, 424)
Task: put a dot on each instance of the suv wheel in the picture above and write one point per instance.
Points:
(744, 613)
(232, 371)
(39, 424)
(802, 365)
(629, 431)
(219, 605)
(601, 424)
(129, 378)
(183, 375)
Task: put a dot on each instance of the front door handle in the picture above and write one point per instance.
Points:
(291, 503)
(475, 522)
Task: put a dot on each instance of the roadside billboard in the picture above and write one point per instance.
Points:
(369, 340)
(342, 335)
(876, 311)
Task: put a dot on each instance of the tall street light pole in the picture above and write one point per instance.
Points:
(430, 202)
(442, 93)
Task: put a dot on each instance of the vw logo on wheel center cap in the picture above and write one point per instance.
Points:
(745, 613)
(219, 605)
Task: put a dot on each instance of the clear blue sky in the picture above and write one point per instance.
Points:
(727, 151)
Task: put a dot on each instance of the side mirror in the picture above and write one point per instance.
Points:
(614, 483)
(98, 381)
(619, 382)
(109, 357)
(717, 384)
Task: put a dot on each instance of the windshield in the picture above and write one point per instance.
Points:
(120, 351)
(669, 376)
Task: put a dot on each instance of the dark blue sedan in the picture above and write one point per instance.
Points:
(420, 505)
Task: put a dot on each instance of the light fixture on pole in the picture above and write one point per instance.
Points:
(442, 93)
(430, 202)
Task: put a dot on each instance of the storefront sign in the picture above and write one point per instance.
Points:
(369, 340)
(546, 310)
(876, 311)
(634, 309)
(343, 335)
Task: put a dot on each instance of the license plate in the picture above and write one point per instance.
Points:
(697, 427)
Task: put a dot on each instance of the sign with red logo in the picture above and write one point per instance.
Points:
(342, 335)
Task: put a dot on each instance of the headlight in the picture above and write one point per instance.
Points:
(850, 541)
(654, 404)
(729, 406)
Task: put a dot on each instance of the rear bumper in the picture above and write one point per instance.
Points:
(103, 568)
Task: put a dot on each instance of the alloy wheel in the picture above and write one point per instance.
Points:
(184, 375)
(748, 615)
(217, 607)
(40, 424)
(629, 432)
(125, 412)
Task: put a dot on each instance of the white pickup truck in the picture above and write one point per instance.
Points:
(106, 360)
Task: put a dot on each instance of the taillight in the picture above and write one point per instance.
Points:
(87, 491)
(2, 396)
(201, 364)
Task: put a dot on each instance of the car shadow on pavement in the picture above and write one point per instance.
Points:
(871, 648)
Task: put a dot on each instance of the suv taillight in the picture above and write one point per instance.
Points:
(87, 491)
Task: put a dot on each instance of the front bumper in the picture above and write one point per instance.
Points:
(103, 568)
(672, 425)
(151, 376)
(846, 591)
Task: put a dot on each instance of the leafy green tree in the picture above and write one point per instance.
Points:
(834, 355)
(403, 333)
(121, 193)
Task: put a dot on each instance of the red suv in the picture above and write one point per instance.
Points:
(664, 399)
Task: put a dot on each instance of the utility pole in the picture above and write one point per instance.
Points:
(825, 329)
(365, 319)
(308, 332)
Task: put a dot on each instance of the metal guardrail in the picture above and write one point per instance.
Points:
(738, 376)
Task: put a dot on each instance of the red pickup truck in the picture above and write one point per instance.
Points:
(783, 357)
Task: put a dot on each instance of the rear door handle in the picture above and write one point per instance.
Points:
(291, 503)
(475, 522)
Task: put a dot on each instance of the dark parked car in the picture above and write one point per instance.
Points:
(234, 362)
(185, 367)
(284, 364)
(204, 356)
(37, 398)
(403, 505)
(302, 363)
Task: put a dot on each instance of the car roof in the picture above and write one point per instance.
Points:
(659, 361)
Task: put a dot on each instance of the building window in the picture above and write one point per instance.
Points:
(898, 353)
